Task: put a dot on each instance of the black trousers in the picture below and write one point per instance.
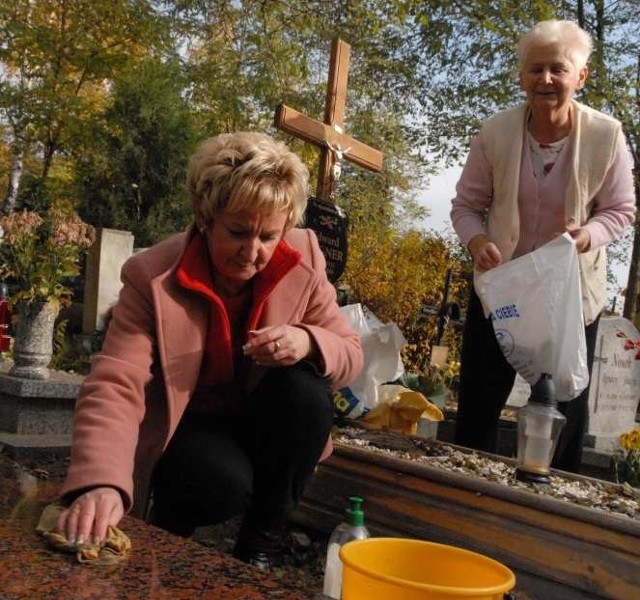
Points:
(486, 380)
(256, 462)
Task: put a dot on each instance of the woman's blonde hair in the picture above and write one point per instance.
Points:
(235, 172)
(568, 35)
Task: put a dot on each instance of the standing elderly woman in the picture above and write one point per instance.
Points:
(549, 166)
(214, 386)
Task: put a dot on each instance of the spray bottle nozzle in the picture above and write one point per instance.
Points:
(356, 516)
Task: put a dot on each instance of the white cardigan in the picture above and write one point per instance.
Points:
(594, 139)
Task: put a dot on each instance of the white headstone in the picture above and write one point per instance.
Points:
(102, 275)
(615, 382)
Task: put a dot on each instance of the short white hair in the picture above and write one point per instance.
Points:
(568, 35)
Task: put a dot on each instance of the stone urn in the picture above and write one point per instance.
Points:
(33, 343)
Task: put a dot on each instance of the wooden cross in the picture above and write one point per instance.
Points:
(329, 136)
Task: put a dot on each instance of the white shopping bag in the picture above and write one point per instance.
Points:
(535, 305)
(381, 345)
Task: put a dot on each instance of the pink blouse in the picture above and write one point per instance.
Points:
(542, 205)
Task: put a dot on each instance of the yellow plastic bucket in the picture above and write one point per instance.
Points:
(404, 569)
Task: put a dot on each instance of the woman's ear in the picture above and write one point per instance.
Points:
(582, 76)
(289, 224)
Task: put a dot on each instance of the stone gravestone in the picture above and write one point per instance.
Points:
(36, 416)
(102, 276)
(615, 383)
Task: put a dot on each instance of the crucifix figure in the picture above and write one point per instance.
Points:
(328, 135)
(323, 216)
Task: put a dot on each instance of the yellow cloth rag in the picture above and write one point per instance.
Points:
(111, 550)
(403, 412)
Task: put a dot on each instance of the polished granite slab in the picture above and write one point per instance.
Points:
(160, 566)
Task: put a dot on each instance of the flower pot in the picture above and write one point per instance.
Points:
(33, 344)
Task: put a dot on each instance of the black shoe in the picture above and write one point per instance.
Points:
(257, 559)
(260, 548)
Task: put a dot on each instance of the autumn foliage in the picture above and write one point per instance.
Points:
(400, 277)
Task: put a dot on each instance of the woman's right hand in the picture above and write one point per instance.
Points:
(484, 252)
(88, 517)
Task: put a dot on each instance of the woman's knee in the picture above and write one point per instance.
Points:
(297, 391)
(201, 465)
(207, 493)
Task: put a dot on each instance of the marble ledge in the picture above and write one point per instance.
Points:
(59, 385)
(160, 566)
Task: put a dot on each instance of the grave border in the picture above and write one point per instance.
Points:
(556, 548)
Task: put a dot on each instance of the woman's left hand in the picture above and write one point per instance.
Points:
(279, 346)
(580, 236)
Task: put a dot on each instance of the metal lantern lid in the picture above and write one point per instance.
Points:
(544, 391)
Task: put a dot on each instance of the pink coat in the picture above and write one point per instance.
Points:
(140, 383)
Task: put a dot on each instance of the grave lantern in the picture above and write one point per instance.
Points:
(539, 427)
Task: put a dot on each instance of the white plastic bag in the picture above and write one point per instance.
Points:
(535, 304)
(381, 345)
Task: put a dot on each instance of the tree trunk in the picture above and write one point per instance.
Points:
(631, 294)
(17, 164)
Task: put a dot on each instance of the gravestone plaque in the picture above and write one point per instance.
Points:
(615, 383)
(330, 225)
(102, 276)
